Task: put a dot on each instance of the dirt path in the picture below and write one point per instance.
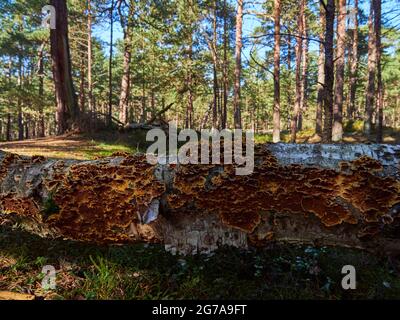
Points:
(63, 147)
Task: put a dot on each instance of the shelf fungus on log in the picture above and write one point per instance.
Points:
(340, 195)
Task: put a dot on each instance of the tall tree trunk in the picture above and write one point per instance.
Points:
(321, 71)
(215, 70)
(329, 71)
(299, 53)
(337, 129)
(189, 83)
(354, 64)
(370, 90)
(41, 131)
(19, 102)
(89, 56)
(276, 135)
(126, 66)
(8, 128)
(304, 78)
(379, 100)
(238, 65)
(82, 91)
(110, 68)
(289, 97)
(67, 113)
(225, 70)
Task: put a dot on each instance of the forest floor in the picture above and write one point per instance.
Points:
(140, 271)
(100, 144)
(148, 272)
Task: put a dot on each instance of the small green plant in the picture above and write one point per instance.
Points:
(102, 283)
(50, 207)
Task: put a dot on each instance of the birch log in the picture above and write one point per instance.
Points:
(340, 195)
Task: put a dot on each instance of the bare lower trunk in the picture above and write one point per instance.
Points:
(304, 77)
(299, 53)
(337, 129)
(214, 52)
(126, 66)
(370, 90)
(379, 100)
(342, 195)
(321, 73)
(276, 136)
(328, 70)
(67, 109)
(354, 65)
(225, 71)
(110, 65)
(238, 66)
(89, 56)
(126, 82)
(41, 131)
(8, 127)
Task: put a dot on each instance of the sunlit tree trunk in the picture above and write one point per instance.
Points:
(321, 71)
(370, 90)
(225, 70)
(238, 65)
(41, 131)
(215, 69)
(380, 92)
(126, 69)
(304, 77)
(19, 102)
(67, 113)
(89, 56)
(276, 136)
(329, 71)
(110, 66)
(337, 129)
(299, 53)
(354, 64)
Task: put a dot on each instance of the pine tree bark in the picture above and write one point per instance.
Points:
(304, 72)
(89, 56)
(340, 195)
(126, 65)
(370, 90)
(110, 65)
(238, 66)
(41, 131)
(225, 70)
(321, 71)
(337, 129)
(67, 114)
(214, 54)
(276, 135)
(354, 65)
(329, 71)
(299, 53)
(189, 83)
(19, 102)
(8, 128)
(379, 100)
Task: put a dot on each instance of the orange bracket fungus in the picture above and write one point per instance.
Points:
(341, 195)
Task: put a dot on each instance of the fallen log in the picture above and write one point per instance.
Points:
(340, 195)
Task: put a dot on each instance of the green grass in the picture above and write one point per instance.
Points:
(148, 272)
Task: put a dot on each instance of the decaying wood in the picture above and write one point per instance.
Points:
(342, 195)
